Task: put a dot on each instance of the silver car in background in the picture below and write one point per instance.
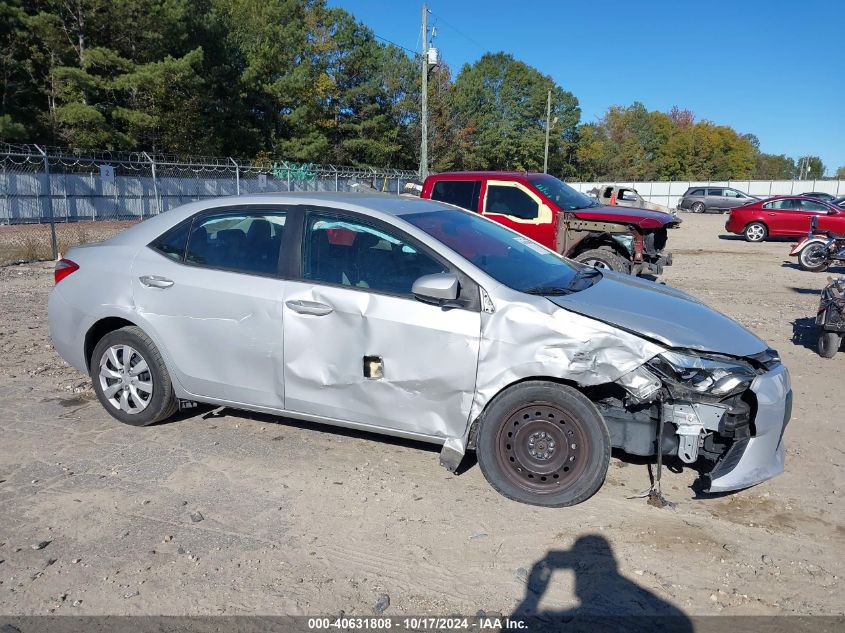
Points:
(717, 199)
(420, 320)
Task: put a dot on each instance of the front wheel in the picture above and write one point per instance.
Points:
(130, 378)
(544, 444)
(604, 259)
(755, 232)
(813, 257)
(829, 343)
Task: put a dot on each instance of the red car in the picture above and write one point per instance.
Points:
(552, 213)
(784, 216)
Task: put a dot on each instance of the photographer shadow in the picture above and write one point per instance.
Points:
(608, 600)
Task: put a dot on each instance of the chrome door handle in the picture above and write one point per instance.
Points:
(309, 307)
(154, 281)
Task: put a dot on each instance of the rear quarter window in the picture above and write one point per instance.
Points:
(172, 243)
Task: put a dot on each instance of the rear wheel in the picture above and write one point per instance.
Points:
(829, 343)
(130, 378)
(755, 232)
(813, 257)
(697, 207)
(544, 444)
(604, 258)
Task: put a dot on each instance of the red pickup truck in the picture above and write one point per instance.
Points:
(553, 213)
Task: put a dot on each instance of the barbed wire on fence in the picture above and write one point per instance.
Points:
(51, 186)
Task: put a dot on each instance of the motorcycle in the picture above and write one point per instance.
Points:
(831, 317)
(819, 249)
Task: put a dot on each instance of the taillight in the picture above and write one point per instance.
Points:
(64, 267)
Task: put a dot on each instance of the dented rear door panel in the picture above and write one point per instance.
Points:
(222, 330)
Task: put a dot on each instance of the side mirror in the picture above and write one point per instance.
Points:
(438, 287)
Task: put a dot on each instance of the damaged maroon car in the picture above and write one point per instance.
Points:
(552, 213)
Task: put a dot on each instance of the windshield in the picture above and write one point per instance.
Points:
(511, 259)
(564, 196)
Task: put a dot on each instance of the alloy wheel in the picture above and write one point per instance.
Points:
(125, 379)
(755, 232)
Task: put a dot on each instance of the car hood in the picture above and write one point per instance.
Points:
(661, 313)
(644, 218)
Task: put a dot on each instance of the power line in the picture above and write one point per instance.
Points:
(384, 39)
(458, 31)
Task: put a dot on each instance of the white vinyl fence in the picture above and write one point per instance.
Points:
(669, 193)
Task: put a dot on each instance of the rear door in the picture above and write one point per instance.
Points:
(784, 217)
(359, 347)
(518, 207)
(716, 198)
(212, 295)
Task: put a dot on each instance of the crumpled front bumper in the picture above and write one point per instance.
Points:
(761, 457)
(651, 265)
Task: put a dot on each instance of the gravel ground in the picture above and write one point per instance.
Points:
(232, 513)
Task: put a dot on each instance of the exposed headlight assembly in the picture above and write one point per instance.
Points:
(686, 375)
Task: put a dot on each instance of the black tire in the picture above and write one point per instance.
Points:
(526, 439)
(829, 343)
(161, 403)
(806, 263)
(698, 207)
(755, 232)
(605, 258)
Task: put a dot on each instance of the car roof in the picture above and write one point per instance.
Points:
(452, 175)
(375, 204)
(801, 196)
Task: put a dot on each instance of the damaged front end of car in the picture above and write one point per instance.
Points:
(729, 411)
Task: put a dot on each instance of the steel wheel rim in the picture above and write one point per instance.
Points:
(813, 255)
(755, 232)
(597, 263)
(543, 449)
(125, 379)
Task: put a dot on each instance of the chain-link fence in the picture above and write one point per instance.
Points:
(51, 199)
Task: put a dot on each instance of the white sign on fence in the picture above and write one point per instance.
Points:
(262, 181)
(107, 172)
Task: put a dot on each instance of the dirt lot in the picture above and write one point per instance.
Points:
(229, 513)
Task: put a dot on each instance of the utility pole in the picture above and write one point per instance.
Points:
(424, 113)
(548, 126)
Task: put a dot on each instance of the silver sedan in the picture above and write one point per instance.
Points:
(416, 319)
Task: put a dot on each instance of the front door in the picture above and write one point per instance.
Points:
(359, 347)
(517, 207)
(215, 304)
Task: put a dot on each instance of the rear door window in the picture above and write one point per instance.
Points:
(715, 192)
(785, 204)
(461, 193)
(242, 241)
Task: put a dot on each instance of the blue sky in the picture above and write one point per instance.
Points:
(772, 68)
